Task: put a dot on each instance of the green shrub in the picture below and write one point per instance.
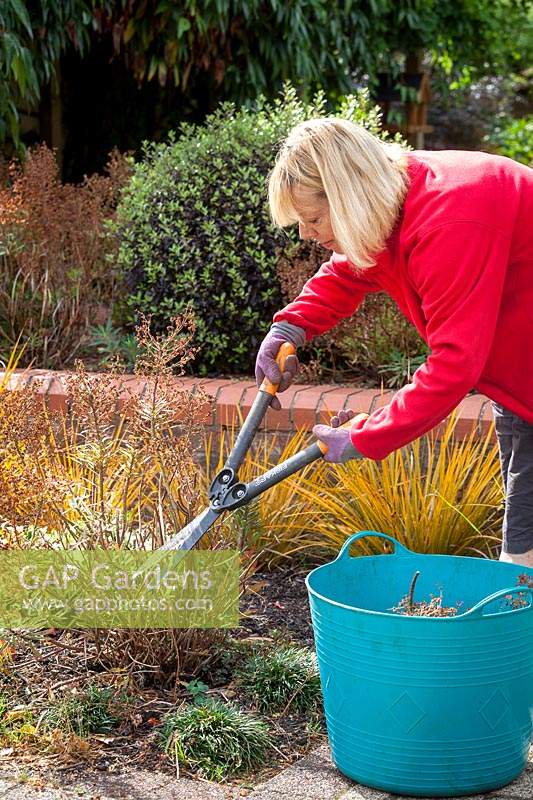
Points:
(275, 678)
(215, 739)
(194, 228)
(89, 712)
(109, 343)
(514, 138)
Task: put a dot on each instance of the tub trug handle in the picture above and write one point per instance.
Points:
(399, 549)
(479, 609)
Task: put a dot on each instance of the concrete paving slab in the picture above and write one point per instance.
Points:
(139, 784)
(25, 791)
(131, 785)
(313, 777)
(358, 792)
(520, 789)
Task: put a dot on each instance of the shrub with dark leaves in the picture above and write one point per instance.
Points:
(194, 227)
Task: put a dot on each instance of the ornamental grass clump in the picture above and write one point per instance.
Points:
(276, 680)
(91, 711)
(434, 496)
(215, 739)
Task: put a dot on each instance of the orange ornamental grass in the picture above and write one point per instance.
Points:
(102, 478)
(433, 496)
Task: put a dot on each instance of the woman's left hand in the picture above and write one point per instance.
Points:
(337, 439)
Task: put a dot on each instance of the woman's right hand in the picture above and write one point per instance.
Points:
(266, 365)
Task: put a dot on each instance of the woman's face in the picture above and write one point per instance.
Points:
(314, 219)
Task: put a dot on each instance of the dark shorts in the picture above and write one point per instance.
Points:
(515, 440)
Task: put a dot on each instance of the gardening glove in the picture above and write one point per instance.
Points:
(265, 364)
(337, 439)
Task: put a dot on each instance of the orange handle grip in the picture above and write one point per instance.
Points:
(348, 424)
(286, 349)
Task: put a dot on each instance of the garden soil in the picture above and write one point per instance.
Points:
(275, 608)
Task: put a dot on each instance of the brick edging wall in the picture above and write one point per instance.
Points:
(303, 405)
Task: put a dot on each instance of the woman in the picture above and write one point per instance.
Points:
(449, 236)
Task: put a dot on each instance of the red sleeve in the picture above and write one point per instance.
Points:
(333, 293)
(458, 270)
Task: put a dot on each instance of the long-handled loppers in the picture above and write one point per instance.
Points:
(226, 492)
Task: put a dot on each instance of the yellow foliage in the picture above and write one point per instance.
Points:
(434, 497)
(17, 727)
(6, 657)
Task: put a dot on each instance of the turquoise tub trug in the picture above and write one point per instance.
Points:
(426, 706)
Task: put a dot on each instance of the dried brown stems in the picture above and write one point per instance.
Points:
(120, 471)
(432, 608)
(57, 264)
(110, 477)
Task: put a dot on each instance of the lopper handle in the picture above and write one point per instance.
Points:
(286, 349)
(348, 424)
(255, 416)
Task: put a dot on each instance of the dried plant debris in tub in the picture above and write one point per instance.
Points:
(521, 599)
(424, 608)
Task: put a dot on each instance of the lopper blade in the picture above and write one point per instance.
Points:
(189, 535)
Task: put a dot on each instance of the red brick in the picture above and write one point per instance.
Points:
(276, 421)
(302, 405)
(129, 387)
(474, 412)
(228, 400)
(209, 385)
(17, 380)
(249, 393)
(486, 420)
(379, 398)
(331, 400)
(44, 384)
(56, 395)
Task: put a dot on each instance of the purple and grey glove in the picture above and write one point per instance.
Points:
(337, 439)
(265, 364)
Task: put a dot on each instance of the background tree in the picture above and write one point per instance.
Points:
(32, 38)
(146, 65)
(248, 47)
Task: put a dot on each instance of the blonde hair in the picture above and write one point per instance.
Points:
(363, 179)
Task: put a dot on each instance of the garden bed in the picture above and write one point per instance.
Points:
(275, 612)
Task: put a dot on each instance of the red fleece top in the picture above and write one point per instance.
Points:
(459, 264)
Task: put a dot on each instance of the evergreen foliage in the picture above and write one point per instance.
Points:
(194, 227)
